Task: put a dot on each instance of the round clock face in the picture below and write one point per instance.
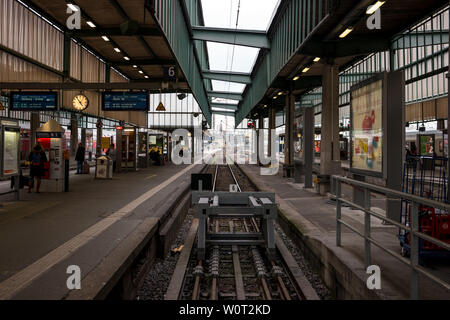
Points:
(80, 102)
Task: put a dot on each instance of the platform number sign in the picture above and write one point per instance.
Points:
(170, 73)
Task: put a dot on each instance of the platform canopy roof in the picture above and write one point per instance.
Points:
(277, 66)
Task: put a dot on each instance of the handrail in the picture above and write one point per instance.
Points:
(397, 194)
(413, 229)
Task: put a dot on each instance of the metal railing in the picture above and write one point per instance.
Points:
(413, 229)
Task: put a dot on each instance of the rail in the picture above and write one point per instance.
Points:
(413, 229)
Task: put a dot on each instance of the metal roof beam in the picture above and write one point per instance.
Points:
(238, 77)
(345, 48)
(145, 62)
(115, 31)
(153, 84)
(420, 39)
(223, 113)
(233, 107)
(225, 95)
(247, 38)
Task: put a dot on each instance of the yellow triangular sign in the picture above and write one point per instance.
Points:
(160, 107)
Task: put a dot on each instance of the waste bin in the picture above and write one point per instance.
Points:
(104, 168)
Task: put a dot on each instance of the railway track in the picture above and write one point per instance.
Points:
(237, 272)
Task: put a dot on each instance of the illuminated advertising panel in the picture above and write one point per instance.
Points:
(366, 121)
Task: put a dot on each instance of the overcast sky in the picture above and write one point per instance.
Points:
(253, 15)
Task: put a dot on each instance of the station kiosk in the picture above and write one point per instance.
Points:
(51, 136)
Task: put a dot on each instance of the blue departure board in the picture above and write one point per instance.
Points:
(125, 101)
(33, 101)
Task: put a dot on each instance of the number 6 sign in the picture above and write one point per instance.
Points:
(170, 73)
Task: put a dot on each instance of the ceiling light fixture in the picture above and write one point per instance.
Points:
(346, 32)
(116, 49)
(317, 59)
(371, 10)
(296, 78)
(306, 69)
(72, 7)
(126, 58)
(140, 71)
(105, 38)
(134, 66)
(146, 77)
(280, 93)
(91, 24)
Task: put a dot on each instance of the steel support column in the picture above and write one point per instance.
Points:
(308, 145)
(329, 146)
(395, 140)
(34, 124)
(289, 134)
(271, 127)
(73, 134)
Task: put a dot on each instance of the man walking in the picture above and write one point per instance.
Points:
(79, 157)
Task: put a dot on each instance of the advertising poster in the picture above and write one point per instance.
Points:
(11, 152)
(367, 128)
(298, 138)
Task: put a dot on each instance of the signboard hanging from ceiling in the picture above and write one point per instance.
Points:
(170, 73)
(33, 101)
(125, 101)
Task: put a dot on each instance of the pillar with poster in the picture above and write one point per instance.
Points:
(51, 136)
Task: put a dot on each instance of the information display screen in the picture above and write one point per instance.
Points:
(367, 128)
(34, 101)
(125, 101)
(11, 151)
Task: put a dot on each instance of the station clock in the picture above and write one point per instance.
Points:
(80, 102)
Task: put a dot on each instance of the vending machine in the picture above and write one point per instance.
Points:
(52, 138)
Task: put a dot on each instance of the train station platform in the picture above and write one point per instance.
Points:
(311, 218)
(99, 226)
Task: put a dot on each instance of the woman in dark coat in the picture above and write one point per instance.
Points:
(37, 158)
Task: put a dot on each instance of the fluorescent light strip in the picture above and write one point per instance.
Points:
(116, 49)
(371, 10)
(72, 7)
(105, 38)
(317, 59)
(346, 32)
(126, 58)
(91, 24)
(296, 78)
(306, 69)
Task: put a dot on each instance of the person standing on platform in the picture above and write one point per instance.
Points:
(111, 152)
(79, 157)
(37, 158)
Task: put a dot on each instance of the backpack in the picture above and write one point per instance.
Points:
(35, 158)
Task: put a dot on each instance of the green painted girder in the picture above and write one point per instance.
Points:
(238, 77)
(420, 39)
(225, 95)
(233, 107)
(248, 38)
(224, 113)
